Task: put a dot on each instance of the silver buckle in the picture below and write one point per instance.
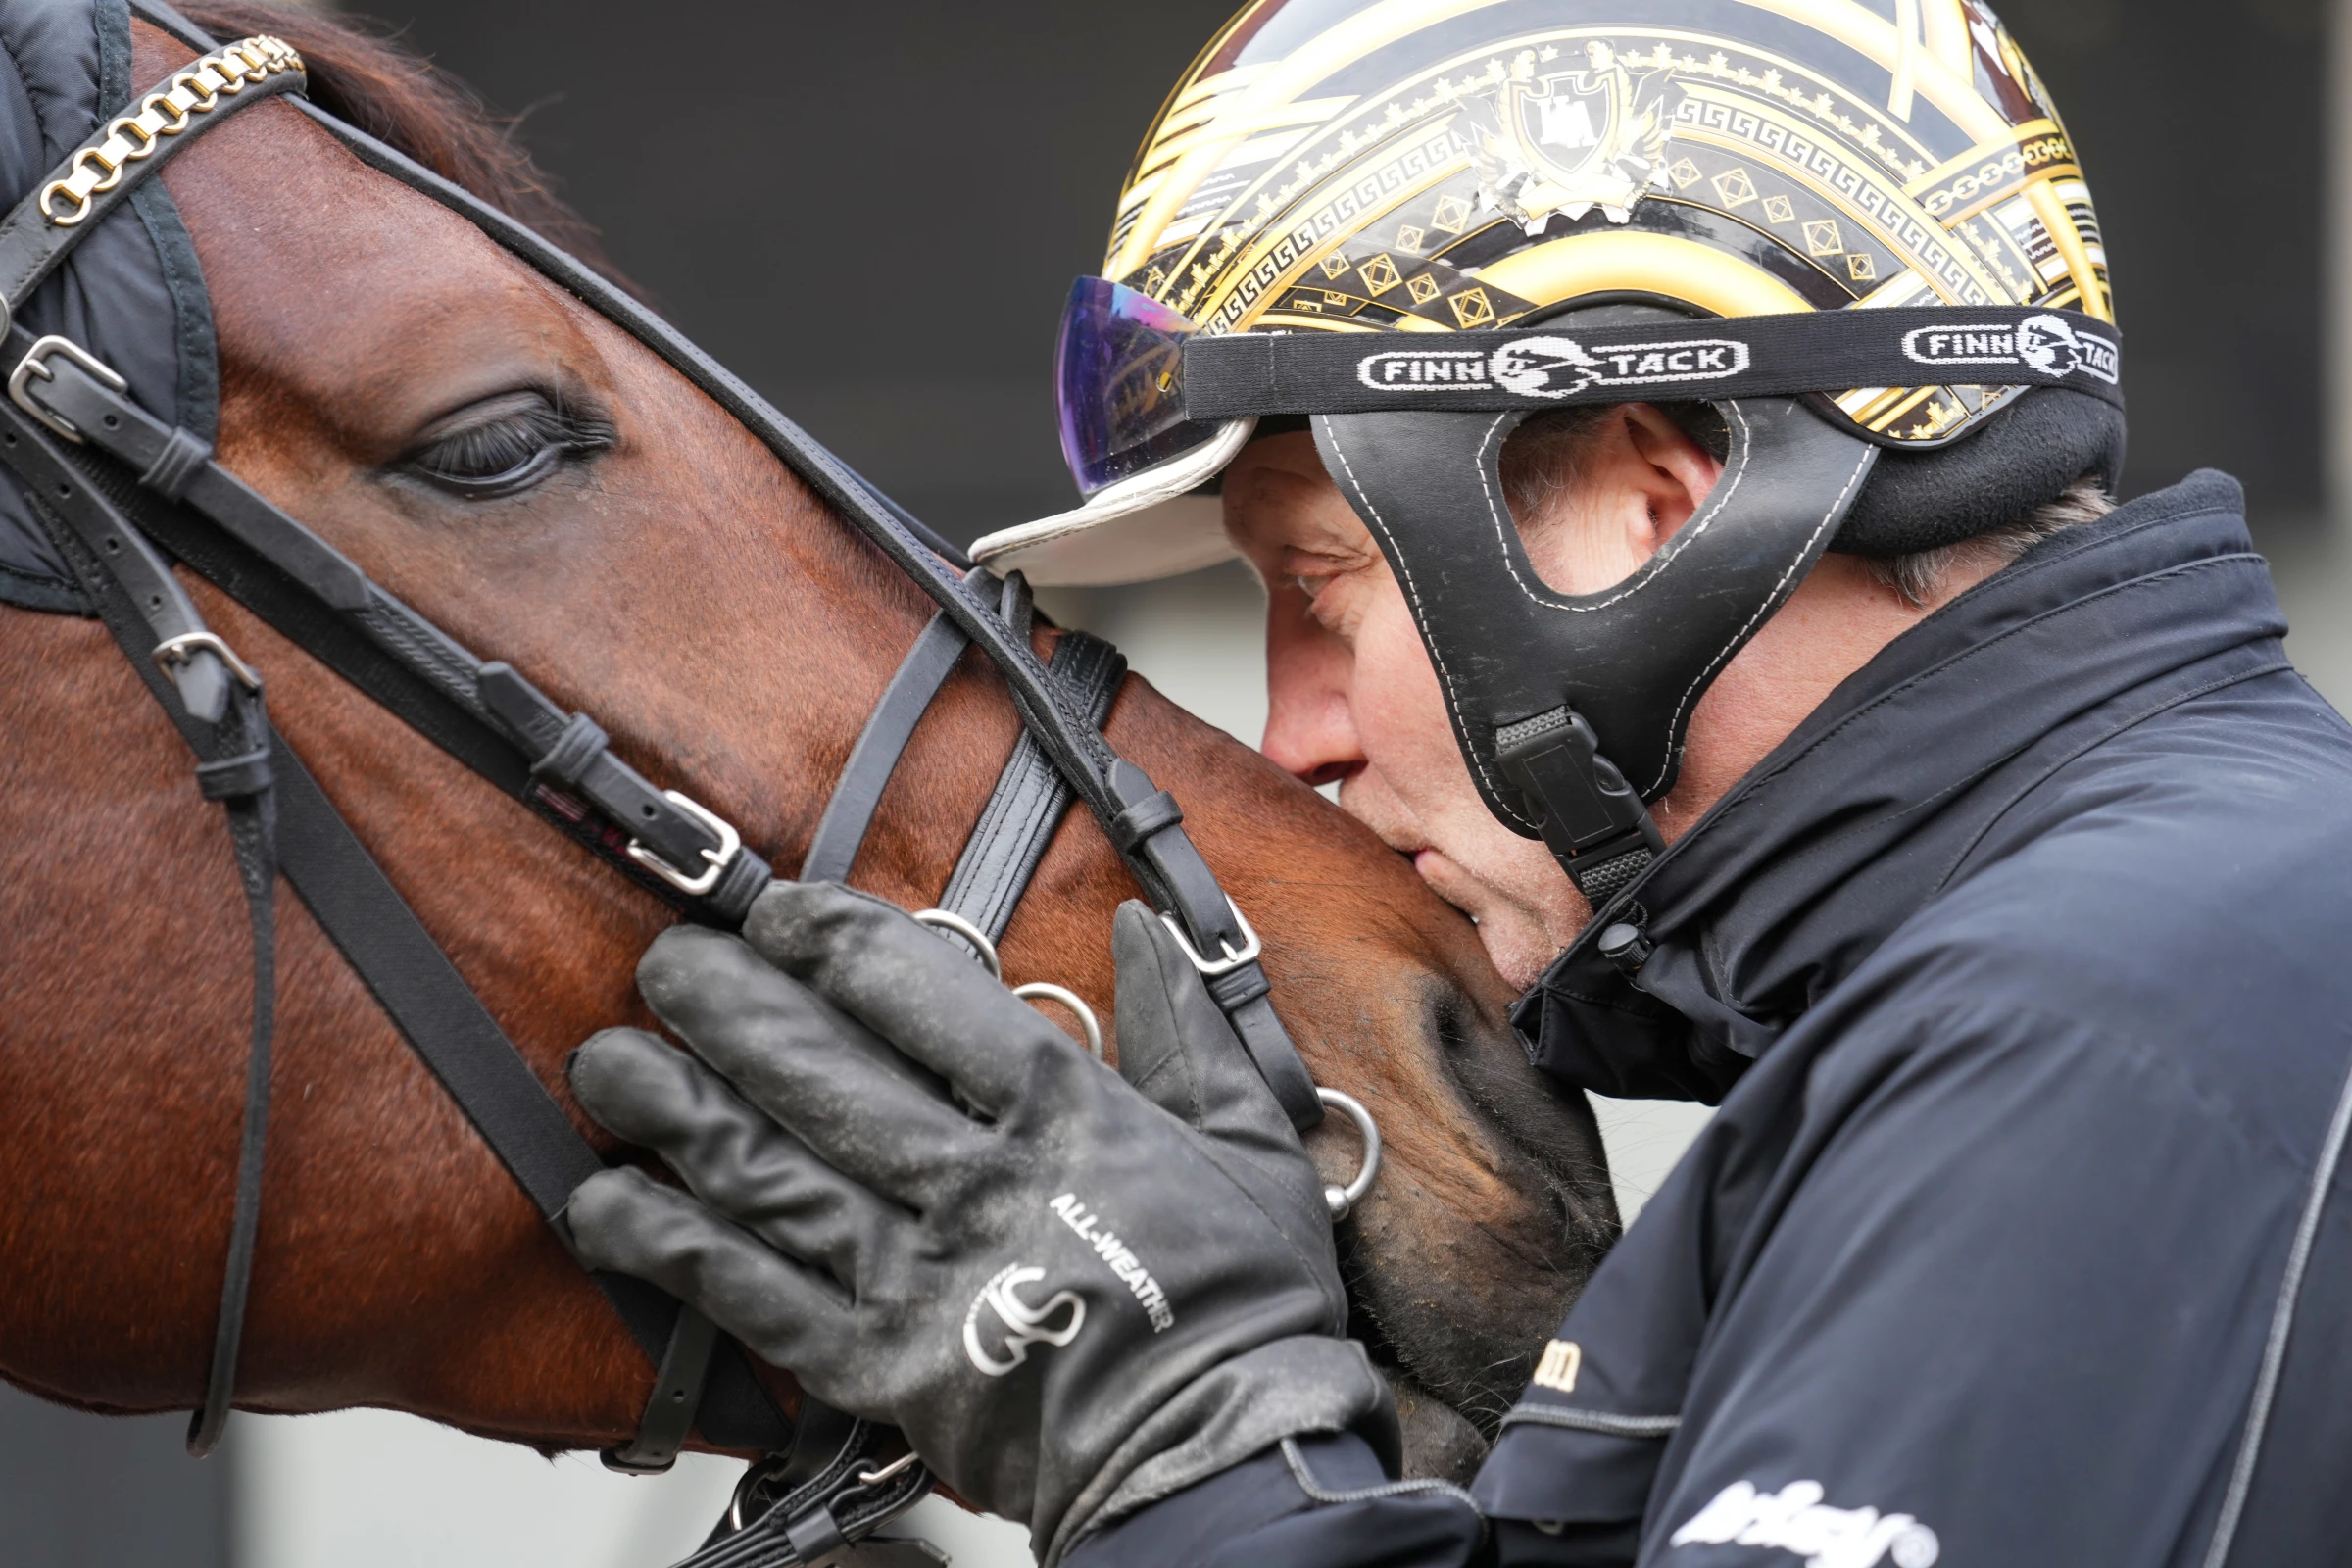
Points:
(37, 363)
(1251, 947)
(694, 887)
(173, 652)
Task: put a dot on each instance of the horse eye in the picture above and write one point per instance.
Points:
(506, 445)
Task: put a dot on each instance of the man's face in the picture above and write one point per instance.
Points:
(1352, 697)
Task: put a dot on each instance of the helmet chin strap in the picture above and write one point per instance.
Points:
(1572, 709)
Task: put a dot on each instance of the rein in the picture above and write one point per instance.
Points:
(124, 495)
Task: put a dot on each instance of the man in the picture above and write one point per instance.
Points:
(1806, 739)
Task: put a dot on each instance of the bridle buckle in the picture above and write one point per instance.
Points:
(719, 859)
(173, 652)
(37, 364)
(1233, 960)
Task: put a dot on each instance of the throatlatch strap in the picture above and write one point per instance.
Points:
(216, 704)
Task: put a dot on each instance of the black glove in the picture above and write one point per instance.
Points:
(939, 1212)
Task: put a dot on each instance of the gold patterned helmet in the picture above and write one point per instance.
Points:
(1336, 167)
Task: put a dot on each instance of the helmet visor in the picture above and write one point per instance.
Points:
(1119, 384)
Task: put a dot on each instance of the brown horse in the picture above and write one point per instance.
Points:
(677, 581)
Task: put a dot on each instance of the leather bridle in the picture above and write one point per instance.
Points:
(124, 495)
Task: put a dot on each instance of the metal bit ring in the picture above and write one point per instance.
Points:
(1342, 1200)
(1036, 990)
(956, 925)
(1046, 991)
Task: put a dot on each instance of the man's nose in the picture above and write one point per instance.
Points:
(1310, 728)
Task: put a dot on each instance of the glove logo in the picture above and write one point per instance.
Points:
(1019, 1325)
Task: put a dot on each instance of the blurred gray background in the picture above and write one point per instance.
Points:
(872, 212)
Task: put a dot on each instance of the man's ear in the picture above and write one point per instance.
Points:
(1681, 474)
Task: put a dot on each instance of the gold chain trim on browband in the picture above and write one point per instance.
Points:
(194, 91)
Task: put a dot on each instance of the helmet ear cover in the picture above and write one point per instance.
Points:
(2026, 455)
(1540, 684)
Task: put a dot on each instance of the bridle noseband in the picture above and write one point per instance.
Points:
(124, 494)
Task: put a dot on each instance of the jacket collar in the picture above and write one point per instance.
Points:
(1876, 801)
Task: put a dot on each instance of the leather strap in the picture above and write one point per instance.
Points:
(1030, 797)
(486, 714)
(812, 1503)
(446, 1024)
(223, 722)
(875, 757)
(669, 1410)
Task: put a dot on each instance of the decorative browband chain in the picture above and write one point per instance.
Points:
(1566, 363)
(197, 90)
(36, 235)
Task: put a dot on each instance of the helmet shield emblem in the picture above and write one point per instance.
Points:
(1567, 141)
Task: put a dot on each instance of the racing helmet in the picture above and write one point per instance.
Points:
(1856, 229)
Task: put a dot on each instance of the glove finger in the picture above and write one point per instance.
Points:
(1176, 1045)
(625, 1221)
(866, 1111)
(730, 1153)
(922, 993)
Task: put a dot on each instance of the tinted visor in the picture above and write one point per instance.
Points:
(1119, 384)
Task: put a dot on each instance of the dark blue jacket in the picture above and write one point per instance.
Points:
(2023, 974)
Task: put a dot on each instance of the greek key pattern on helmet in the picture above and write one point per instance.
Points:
(1368, 192)
(1866, 194)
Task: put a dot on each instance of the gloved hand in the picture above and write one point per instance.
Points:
(914, 1192)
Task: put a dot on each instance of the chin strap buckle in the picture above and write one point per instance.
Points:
(1591, 818)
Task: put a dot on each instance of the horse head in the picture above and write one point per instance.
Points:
(556, 495)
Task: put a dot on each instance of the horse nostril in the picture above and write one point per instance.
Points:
(1446, 1021)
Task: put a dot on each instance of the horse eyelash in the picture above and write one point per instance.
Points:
(513, 451)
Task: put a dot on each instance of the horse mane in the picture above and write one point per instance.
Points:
(359, 75)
